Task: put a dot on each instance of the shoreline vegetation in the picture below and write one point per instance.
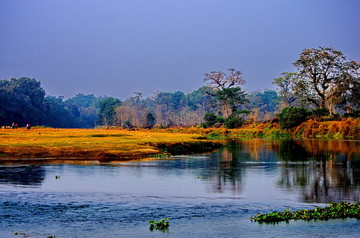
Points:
(348, 128)
(111, 143)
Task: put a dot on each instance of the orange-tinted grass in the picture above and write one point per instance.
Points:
(85, 143)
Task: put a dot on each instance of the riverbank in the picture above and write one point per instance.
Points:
(97, 144)
(344, 129)
(118, 144)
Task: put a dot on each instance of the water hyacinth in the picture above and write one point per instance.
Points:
(333, 211)
(162, 225)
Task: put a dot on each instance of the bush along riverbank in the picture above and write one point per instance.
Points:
(333, 211)
(345, 129)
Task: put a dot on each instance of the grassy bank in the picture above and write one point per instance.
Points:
(345, 129)
(100, 144)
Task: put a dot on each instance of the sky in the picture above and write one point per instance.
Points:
(118, 47)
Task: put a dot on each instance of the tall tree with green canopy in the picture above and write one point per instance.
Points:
(226, 88)
(106, 113)
(324, 76)
(23, 101)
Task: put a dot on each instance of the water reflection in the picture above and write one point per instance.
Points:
(321, 171)
(22, 175)
(318, 171)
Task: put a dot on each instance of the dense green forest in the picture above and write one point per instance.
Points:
(326, 84)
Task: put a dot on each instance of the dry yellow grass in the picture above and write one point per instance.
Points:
(91, 143)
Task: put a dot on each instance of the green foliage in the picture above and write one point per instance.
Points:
(59, 114)
(232, 97)
(287, 87)
(215, 136)
(82, 100)
(22, 101)
(233, 121)
(211, 119)
(354, 113)
(174, 101)
(106, 112)
(201, 99)
(162, 225)
(320, 112)
(150, 120)
(292, 116)
(334, 211)
(226, 88)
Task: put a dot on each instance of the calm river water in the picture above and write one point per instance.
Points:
(210, 195)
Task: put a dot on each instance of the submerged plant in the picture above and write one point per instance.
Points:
(162, 225)
(333, 211)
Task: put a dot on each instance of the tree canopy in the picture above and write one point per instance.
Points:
(325, 76)
(226, 88)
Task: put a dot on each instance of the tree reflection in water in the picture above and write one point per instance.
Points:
(328, 172)
(228, 175)
(22, 175)
(321, 170)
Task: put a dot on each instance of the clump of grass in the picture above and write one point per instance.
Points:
(165, 155)
(333, 211)
(162, 225)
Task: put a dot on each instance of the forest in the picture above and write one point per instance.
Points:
(325, 86)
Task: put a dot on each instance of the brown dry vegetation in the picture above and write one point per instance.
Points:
(100, 144)
(344, 129)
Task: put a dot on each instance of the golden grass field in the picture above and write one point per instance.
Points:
(94, 143)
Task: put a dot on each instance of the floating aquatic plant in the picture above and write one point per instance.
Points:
(162, 225)
(333, 211)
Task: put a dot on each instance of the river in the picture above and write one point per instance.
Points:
(206, 195)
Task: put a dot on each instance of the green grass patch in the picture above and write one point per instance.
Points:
(215, 136)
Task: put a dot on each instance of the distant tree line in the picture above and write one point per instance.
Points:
(326, 84)
(23, 101)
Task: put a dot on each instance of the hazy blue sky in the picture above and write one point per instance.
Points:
(118, 47)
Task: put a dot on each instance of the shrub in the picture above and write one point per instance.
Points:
(211, 119)
(318, 113)
(292, 116)
(233, 122)
(354, 113)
